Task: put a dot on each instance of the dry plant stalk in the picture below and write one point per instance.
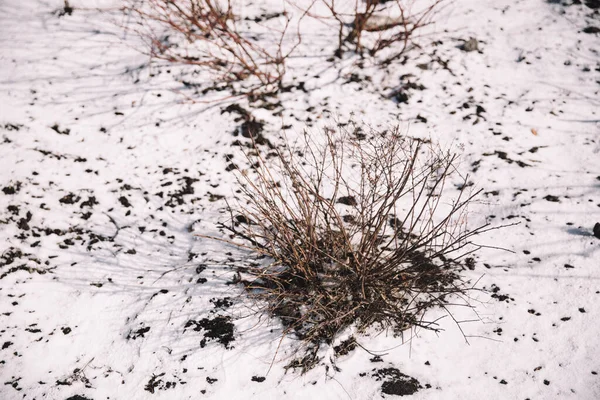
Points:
(360, 231)
(205, 33)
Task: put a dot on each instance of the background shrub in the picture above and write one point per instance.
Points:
(221, 38)
(214, 36)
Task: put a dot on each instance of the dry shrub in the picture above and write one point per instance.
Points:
(360, 230)
(213, 35)
(374, 26)
(252, 51)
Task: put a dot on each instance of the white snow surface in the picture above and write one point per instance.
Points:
(102, 217)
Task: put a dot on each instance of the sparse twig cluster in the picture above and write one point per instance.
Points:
(360, 230)
(215, 36)
(371, 26)
(212, 35)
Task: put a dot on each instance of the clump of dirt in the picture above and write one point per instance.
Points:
(14, 210)
(222, 303)
(155, 383)
(237, 109)
(499, 296)
(70, 198)
(408, 85)
(90, 202)
(250, 128)
(10, 255)
(176, 198)
(597, 230)
(593, 4)
(56, 128)
(12, 189)
(395, 382)
(219, 329)
(23, 223)
(504, 156)
(124, 201)
(139, 333)
(347, 200)
(13, 127)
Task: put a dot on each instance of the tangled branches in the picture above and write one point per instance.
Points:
(360, 229)
(210, 34)
(252, 52)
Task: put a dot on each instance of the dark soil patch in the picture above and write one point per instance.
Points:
(250, 128)
(223, 303)
(219, 329)
(551, 198)
(597, 230)
(10, 255)
(51, 154)
(12, 189)
(593, 4)
(155, 383)
(70, 198)
(139, 333)
(90, 202)
(124, 201)
(504, 156)
(187, 188)
(499, 296)
(57, 129)
(23, 223)
(237, 109)
(396, 383)
(403, 93)
(347, 200)
(14, 210)
(12, 127)
(265, 17)
(65, 10)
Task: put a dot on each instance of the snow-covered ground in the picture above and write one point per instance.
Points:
(108, 169)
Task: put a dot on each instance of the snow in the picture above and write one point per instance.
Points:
(80, 328)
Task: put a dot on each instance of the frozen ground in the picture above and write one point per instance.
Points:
(107, 172)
